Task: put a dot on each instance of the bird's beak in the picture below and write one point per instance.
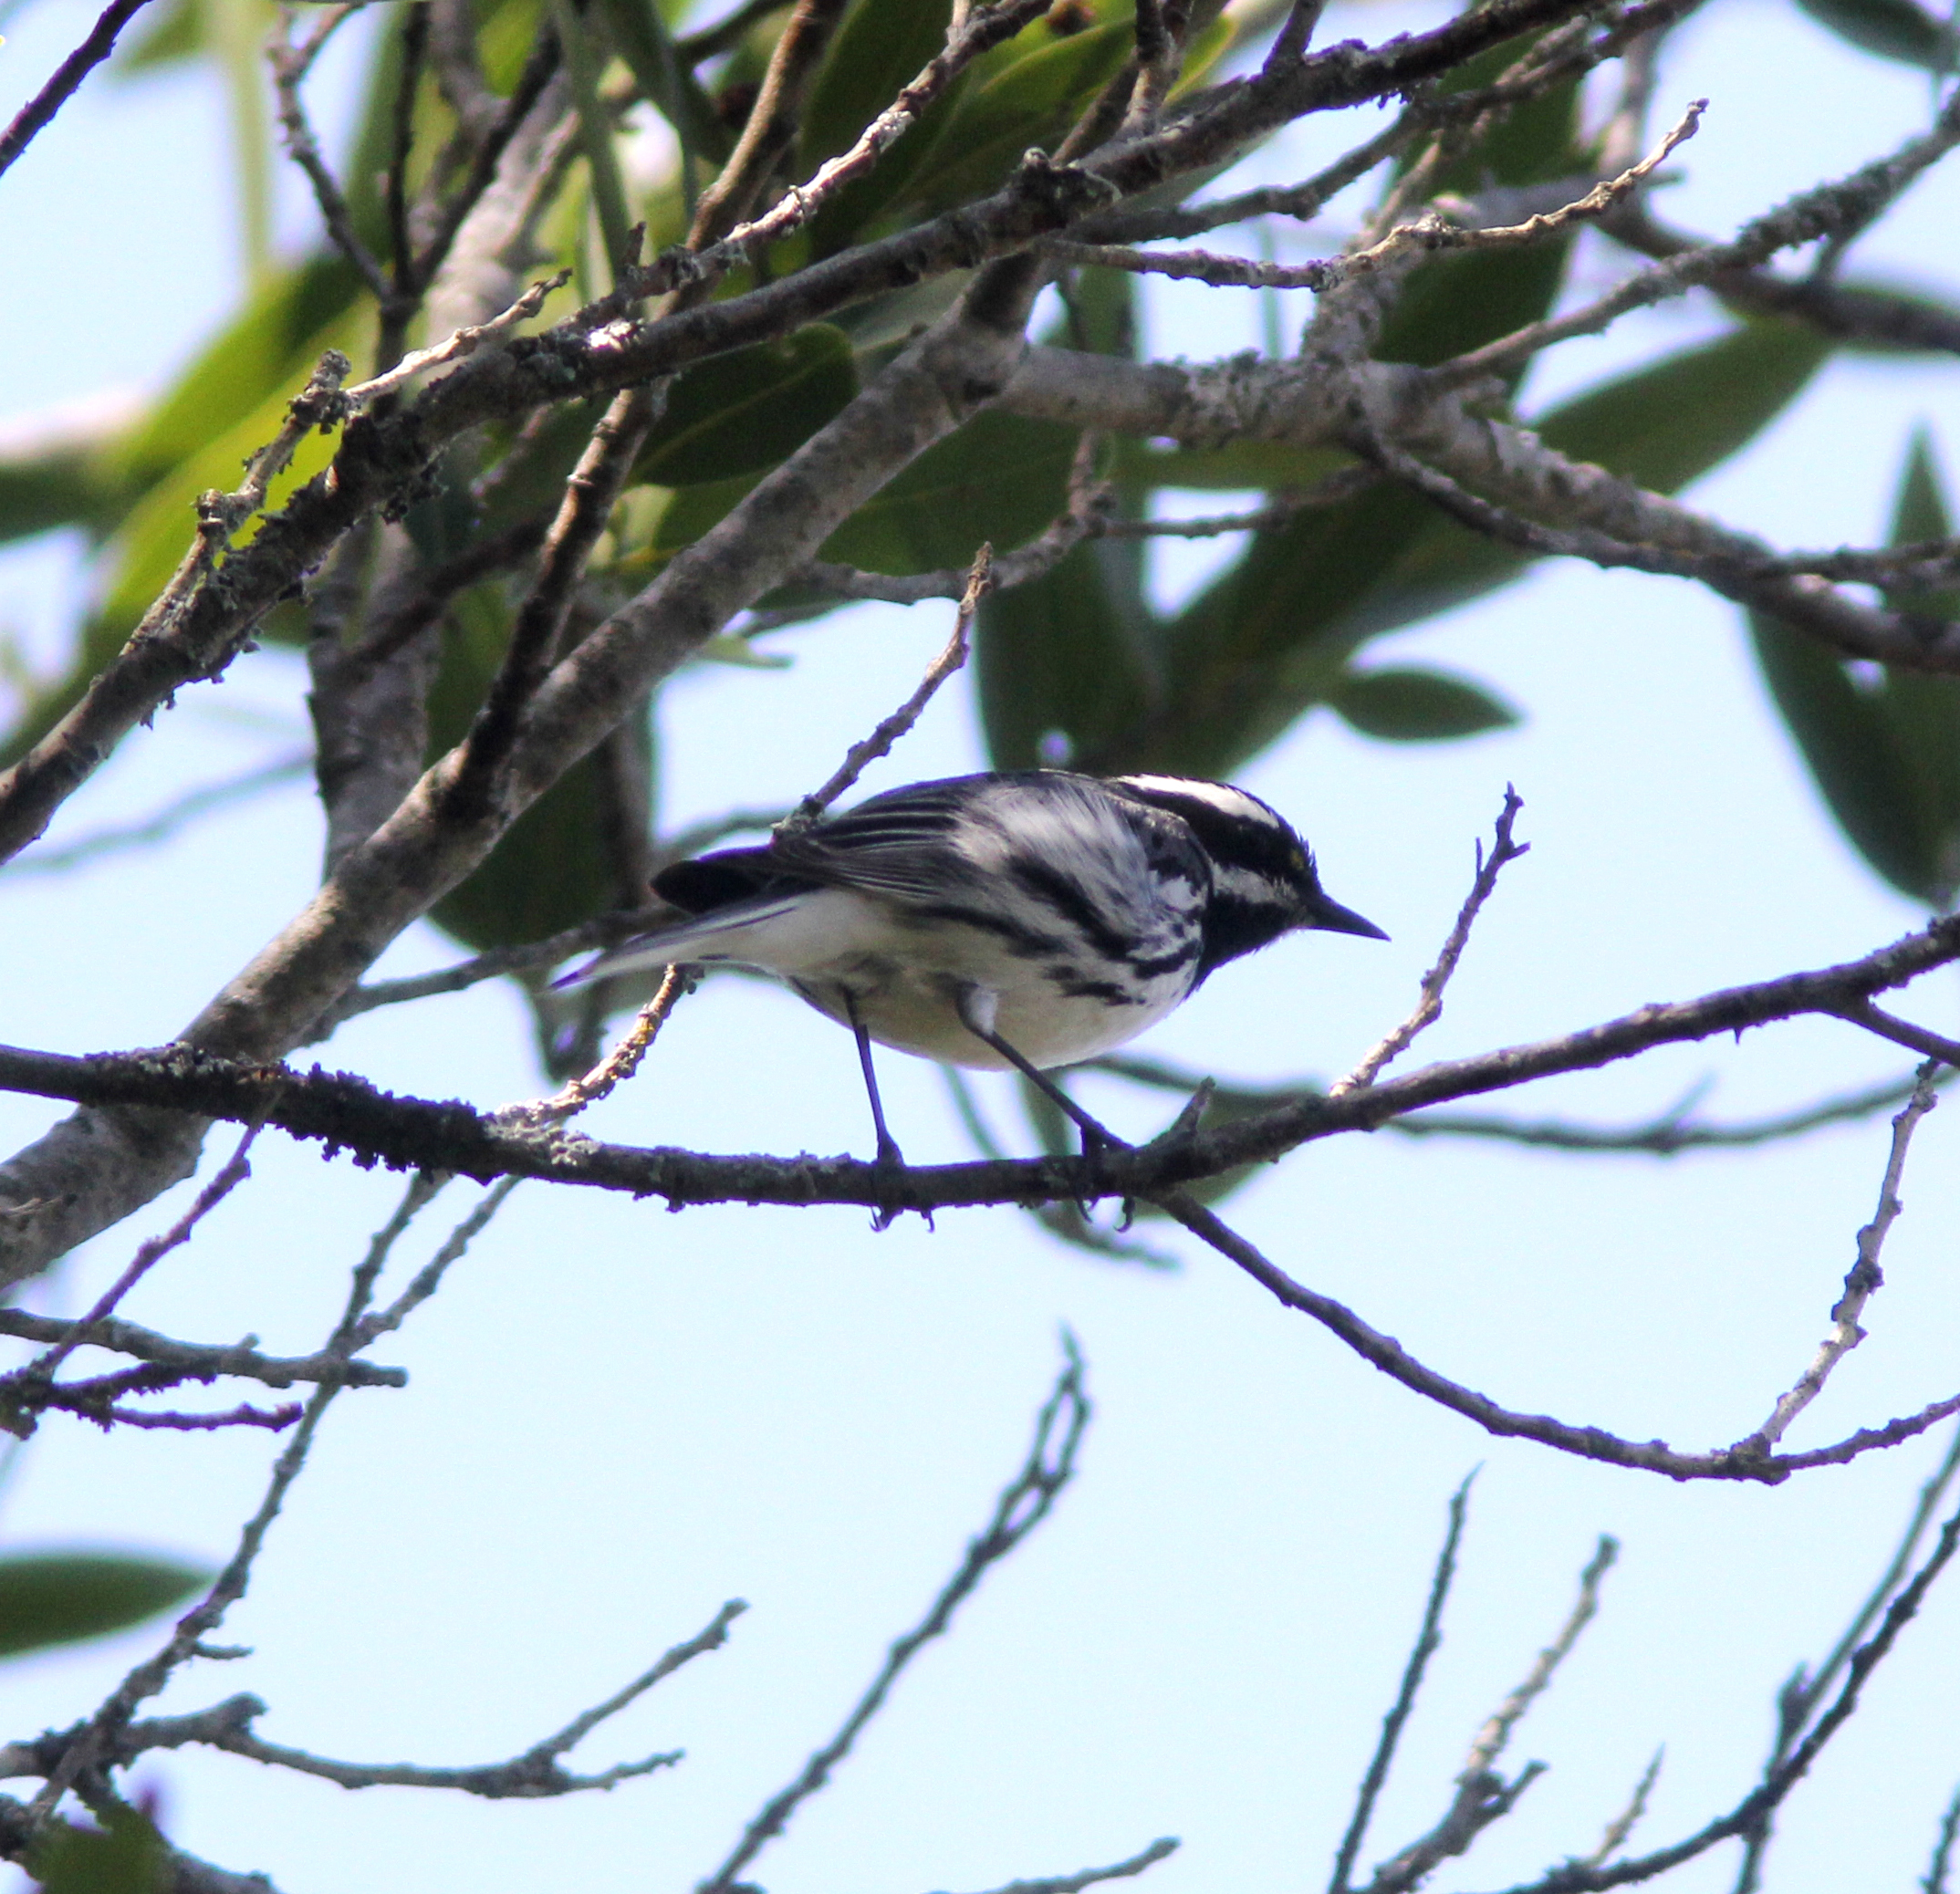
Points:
(1329, 917)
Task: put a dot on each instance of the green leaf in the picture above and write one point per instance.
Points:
(124, 1856)
(1893, 29)
(1267, 640)
(1067, 663)
(1406, 704)
(1452, 304)
(1853, 755)
(65, 482)
(1665, 425)
(1884, 750)
(1661, 427)
(743, 412)
(1943, 316)
(169, 36)
(1272, 636)
(1015, 98)
(999, 478)
(269, 347)
(60, 1598)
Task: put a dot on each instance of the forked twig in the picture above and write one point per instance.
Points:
(1432, 231)
(1483, 1796)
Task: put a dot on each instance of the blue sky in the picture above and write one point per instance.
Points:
(618, 1418)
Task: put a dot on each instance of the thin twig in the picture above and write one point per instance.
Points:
(534, 1774)
(1863, 1280)
(1430, 232)
(1428, 1639)
(233, 1173)
(466, 341)
(1025, 1503)
(863, 753)
(1934, 1881)
(1091, 1877)
(160, 826)
(1902, 1032)
(85, 1748)
(1429, 1006)
(39, 110)
(615, 1068)
(200, 1361)
(361, 1328)
(1624, 1824)
(1817, 212)
(1483, 1796)
(1665, 1135)
(288, 68)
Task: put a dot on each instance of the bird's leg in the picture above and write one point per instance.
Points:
(977, 1008)
(890, 1156)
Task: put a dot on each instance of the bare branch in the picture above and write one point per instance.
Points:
(1863, 1280)
(1429, 1007)
(347, 1112)
(66, 79)
(1667, 1135)
(25, 1390)
(1783, 1776)
(536, 1774)
(1021, 1506)
(466, 341)
(1624, 1824)
(614, 1069)
(1428, 1639)
(289, 64)
(1934, 1881)
(1483, 1796)
(1091, 1877)
(1817, 212)
(1426, 235)
(861, 755)
(200, 1361)
(1937, 1047)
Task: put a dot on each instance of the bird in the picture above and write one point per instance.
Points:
(1025, 918)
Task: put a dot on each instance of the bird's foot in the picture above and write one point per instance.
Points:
(892, 1170)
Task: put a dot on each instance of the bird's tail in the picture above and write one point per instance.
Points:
(702, 939)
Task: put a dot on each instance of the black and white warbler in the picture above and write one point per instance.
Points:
(1026, 918)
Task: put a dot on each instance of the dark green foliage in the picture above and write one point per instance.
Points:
(1882, 745)
(1893, 29)
(60, 1598)
(745, 411)
(125, 1854)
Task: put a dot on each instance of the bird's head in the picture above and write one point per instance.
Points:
(1264, 882)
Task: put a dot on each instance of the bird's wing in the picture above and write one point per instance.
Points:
(904, 845)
